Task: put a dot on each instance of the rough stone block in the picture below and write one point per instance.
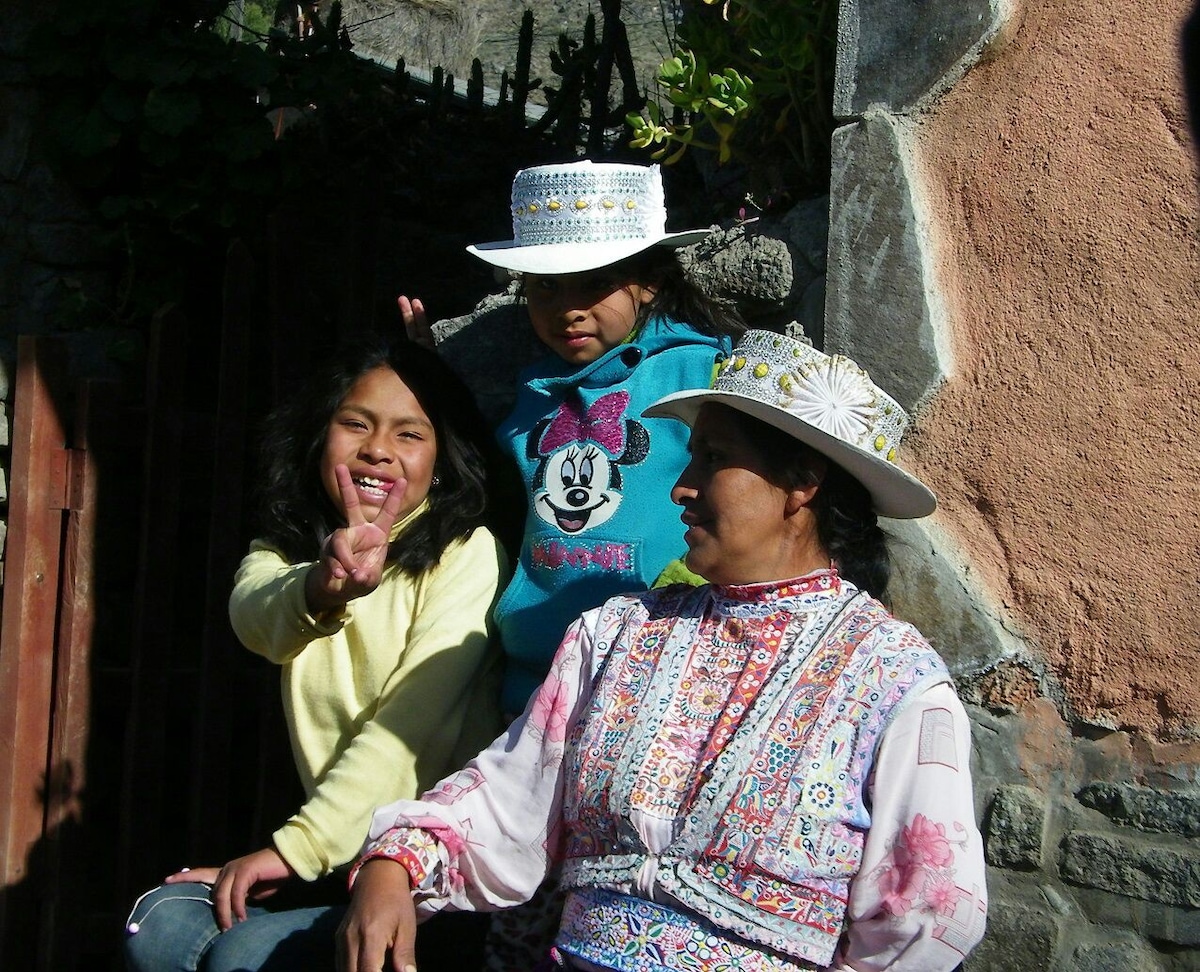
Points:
(901, 54)
(1114, 954)
(812, 311)
(881, 308)
(931, 590)
(742, 266)
(1145, 807)
(1157, 922)
(1015, 828)
(488, 348)
(806, 228)
(1142, 868)
(1018, 937)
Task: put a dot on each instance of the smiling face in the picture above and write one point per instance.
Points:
(580, 316)
(381, 434)
(577, 493)
(743, 526)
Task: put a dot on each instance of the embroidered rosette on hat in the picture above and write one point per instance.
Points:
(825, 401)
(579, 216)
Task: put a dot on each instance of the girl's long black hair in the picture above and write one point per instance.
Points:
(678, 297)
(296, 512)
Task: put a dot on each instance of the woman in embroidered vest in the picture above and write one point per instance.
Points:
(769, 772)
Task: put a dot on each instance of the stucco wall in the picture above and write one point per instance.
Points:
(1062, 181)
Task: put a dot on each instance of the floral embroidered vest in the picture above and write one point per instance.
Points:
(773, 829)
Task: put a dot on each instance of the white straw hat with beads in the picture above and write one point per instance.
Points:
(580, 216)
(825, 401)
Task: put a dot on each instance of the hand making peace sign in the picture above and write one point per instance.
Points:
(352, 557)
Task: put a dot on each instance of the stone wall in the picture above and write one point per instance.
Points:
(1013, 248)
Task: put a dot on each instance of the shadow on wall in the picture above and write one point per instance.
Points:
(1189, 42)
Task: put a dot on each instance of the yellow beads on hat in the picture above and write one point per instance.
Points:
(739, 363)
(880, 442)
(761, 370)
(607, 203)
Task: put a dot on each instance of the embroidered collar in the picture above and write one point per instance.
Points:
(818, 582)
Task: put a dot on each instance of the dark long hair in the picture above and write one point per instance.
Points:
(847, 525)
(296, 512)
(678, 297)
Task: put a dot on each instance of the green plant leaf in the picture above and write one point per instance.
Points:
(170, 112)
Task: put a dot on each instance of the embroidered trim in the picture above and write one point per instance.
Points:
(631, 934)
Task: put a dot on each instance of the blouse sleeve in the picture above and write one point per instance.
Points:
(919, 902)
(485, 838)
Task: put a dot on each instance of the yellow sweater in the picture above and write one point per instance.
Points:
(383, 699)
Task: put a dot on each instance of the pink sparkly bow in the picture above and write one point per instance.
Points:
(603, 423)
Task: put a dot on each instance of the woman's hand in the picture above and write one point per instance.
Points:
(416, 324)
(255, 876)
(353, 557)
(381, 919)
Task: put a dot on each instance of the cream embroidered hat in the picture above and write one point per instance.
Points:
(827, 402)
(582, 215)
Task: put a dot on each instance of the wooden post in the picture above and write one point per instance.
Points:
(67, 777)
(37, 496)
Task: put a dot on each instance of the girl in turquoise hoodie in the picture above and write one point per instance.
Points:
(608, 297)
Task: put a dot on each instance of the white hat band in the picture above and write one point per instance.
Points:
(587, 203)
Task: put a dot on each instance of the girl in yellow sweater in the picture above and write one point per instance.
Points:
(371, 587)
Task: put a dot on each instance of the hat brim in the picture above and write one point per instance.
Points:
(554, 258)
(894, 492)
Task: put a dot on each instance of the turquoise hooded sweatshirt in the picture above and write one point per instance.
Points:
(598, 475)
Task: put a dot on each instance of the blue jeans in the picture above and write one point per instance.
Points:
(176, 931)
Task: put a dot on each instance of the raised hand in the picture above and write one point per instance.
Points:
(416, 325)
(381, 919)
(353, 557)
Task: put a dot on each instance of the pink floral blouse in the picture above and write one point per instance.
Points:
(914, 897)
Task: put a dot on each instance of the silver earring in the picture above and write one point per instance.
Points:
(435, 481)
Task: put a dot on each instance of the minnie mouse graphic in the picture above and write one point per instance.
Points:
(579, 454)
